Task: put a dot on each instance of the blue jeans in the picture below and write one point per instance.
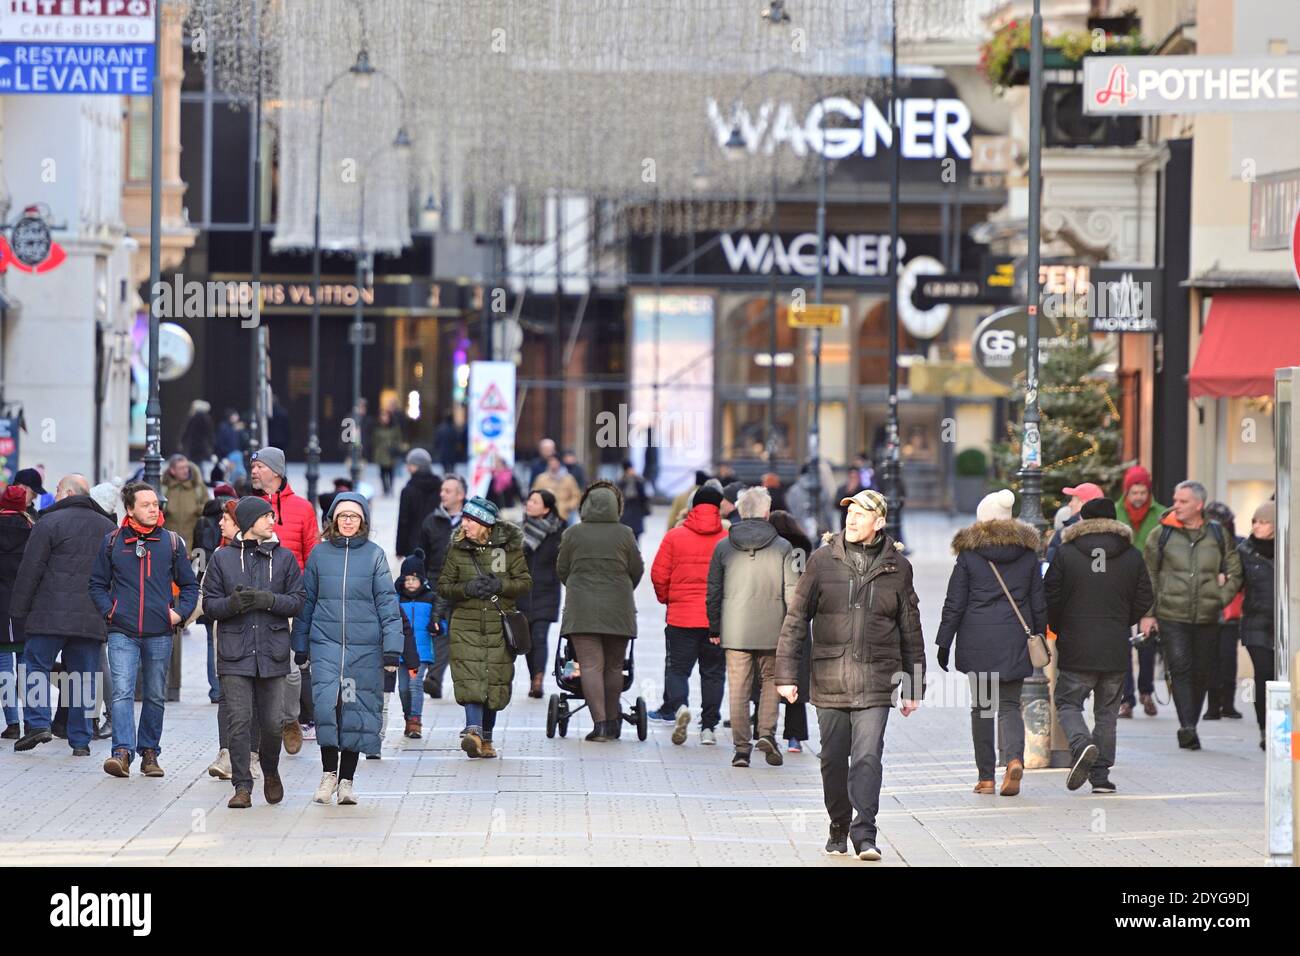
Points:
(411, 689)
(127, 658)
(214, 683)
(81, 671)
(482, 717)
(9, 687)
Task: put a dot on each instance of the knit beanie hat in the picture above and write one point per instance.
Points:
(414, 564)
(996, 506)
(481, 510)
(1266, 512)
(707, 495)
(272, 457)
(1098, 508)
(1137, 475)
(419, 458)
(249, 510)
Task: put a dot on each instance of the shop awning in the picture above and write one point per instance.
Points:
(1246, 337)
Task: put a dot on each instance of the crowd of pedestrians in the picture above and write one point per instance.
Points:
(310, 635)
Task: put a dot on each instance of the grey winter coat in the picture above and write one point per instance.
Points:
(600, 566)
(752, 579)
(255, 643)
(349, 621)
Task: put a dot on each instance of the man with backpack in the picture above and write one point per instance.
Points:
(131, 586)
(1195, 572)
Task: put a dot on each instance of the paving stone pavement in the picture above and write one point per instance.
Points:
(566, 802)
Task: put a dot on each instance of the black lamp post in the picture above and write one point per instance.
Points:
(153, 409)
(892, 471)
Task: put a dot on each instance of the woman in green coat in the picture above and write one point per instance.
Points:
(484, 573)
(600, 566)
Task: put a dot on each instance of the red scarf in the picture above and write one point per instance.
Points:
(1136, 517)
(142, 530)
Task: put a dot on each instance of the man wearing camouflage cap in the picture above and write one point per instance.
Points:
(857, 592)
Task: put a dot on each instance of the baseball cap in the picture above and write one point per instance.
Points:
(868, 500)
(1086, 491)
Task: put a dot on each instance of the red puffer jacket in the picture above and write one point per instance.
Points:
(680, 572)
(295, 523)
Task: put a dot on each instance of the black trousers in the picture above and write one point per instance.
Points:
(1222, 689)
(1264, 661)
(1190, 653)
(247, 700)
(538, 657)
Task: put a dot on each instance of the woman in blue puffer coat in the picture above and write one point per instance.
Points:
(351, 630)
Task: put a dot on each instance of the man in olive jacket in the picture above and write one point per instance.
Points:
(752, 577)
(1195, 572)
(858, 593)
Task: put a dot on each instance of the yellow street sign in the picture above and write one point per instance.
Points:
(816, 316)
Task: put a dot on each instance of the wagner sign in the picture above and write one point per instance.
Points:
(1140, 85)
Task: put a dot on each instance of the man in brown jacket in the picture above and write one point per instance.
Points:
(857, 590)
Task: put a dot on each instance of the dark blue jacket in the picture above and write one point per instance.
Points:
(135, 594)
(418, 609)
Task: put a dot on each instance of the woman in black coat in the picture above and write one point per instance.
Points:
(992, 649)
(795, 730)
(542, 529)
(15, 529)
(1257, 607)
(636, 505)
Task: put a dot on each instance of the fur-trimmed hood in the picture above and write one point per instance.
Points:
(1111, 536)
(1000, 540)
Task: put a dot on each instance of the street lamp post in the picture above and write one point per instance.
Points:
(1031, 475)
(360, 69)
(256, 369)
(365, 278)
(153, 409)
(892, 471)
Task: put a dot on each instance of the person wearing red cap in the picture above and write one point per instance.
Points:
(1079, 495)
(1139, 510)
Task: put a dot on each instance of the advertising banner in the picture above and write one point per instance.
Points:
(491, 421)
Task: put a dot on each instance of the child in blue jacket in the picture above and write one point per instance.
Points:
(417, 600)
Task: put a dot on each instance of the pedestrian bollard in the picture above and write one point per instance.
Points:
(1036, 705)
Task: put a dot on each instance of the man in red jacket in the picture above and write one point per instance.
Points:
(680, 575)
(297, 530)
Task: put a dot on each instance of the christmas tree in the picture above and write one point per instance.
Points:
(1080, 428)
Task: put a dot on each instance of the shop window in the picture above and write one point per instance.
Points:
(139, 134)
(744, 429)
(873, 347)
(530, 220)
(744, 343)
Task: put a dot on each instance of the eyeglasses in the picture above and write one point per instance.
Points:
(348, 516)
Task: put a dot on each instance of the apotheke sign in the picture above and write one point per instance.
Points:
(1141, 85)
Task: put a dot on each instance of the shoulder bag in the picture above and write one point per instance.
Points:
(514, 625)
(1040, 652)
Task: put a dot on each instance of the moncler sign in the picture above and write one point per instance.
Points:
(1139, 85)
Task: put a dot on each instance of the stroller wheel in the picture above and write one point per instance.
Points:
(564, 718)
(552, 714)
(640, 713)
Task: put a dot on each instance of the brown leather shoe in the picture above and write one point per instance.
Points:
(1149, 705)
(535, 690)
(1011, 778)
(242, 800)
(986, 787)
(292, 735)
(487, 750)
(149, 764)
(272, 788)
(118, 765)
(1126, 710)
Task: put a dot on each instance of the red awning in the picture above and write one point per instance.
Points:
(1247, 336)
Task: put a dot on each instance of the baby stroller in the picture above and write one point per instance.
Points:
(558, 710)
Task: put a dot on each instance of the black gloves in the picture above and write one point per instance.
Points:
(482, 586)
(263, 600)
(943, 659)
(390, 659)
(243, 600)
(300, 657)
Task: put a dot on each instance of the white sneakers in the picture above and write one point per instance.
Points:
(220, 767)
(708, 738)
(681, 725)
(329, 782)
(346, 797)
